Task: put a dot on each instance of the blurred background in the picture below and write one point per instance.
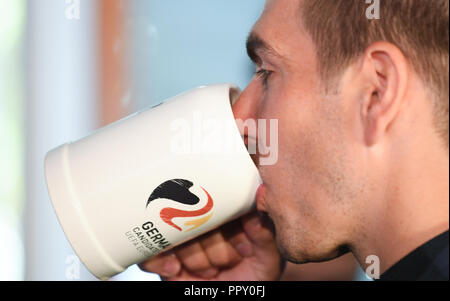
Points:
(68, 67)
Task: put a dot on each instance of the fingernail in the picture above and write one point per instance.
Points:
(170, 268)
(245, 249)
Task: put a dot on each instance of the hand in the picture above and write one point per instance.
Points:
(244, 249)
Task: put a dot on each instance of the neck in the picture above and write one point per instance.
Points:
(411, 209)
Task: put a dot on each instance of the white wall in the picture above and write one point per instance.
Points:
(61, 106)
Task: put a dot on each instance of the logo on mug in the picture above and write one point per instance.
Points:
(178, 190)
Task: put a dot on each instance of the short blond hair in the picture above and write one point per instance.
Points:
(342, 32)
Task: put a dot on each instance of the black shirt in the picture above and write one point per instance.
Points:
(427, 262)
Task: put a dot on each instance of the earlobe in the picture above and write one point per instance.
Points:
(386, 71)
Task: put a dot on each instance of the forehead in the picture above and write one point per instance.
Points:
(281, 27)
(279, 15)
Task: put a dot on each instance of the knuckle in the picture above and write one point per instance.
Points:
(196, 262)
(221, 259)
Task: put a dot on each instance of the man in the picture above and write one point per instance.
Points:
(363, 164)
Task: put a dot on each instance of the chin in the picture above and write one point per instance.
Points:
(289, 248)
(291, 254)
(300, 250)
(297, 256)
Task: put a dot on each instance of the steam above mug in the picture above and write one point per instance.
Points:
(153, 180)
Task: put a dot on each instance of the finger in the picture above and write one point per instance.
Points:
(166, 265)
(186, 276)
(259, 229)
(219, 252)
(194, 259)
(236, 237)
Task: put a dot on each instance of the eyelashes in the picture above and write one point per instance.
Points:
(264, 75)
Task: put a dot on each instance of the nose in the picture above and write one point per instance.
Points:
(245, 110)
(245, 107)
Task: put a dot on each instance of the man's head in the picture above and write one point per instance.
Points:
(352, 96)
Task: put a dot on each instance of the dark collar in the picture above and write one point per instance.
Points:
(427, 262)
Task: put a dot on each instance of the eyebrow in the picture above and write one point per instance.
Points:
(255, 44)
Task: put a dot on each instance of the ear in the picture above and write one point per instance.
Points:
(385, 71)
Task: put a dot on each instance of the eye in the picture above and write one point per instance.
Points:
(264, 75)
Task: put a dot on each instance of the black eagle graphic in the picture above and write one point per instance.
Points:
(176, 190)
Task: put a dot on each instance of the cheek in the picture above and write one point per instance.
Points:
(310, 171)
(297, 137)
(286, 180)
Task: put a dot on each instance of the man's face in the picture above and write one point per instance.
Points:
(310, 192)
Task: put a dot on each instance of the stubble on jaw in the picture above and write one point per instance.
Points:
(325, 206)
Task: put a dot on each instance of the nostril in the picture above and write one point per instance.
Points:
(235, 92)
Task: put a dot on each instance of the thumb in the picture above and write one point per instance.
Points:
(259, 229)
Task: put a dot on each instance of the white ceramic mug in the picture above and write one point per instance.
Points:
(143, 185)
